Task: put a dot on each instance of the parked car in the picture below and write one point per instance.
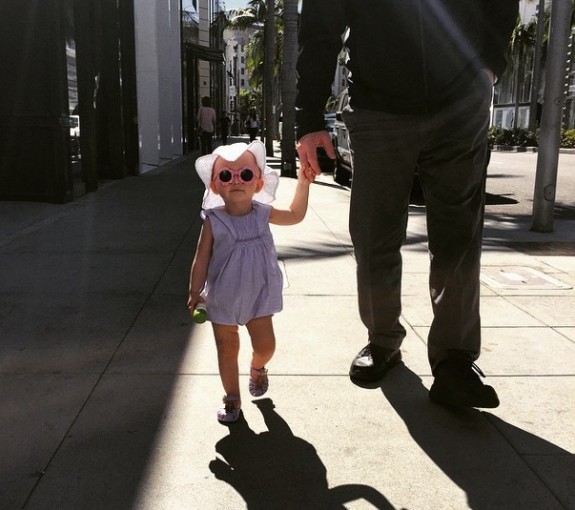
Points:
(343, 171)
(325, 163)
(330, 123)
(73, 122)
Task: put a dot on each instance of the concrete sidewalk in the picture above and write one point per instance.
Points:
(108, 391)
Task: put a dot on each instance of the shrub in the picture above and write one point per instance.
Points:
(525, 138)
(568, 138)
(499, 136)
(515, 137)
(519, 137)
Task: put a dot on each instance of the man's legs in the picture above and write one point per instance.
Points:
(385, 156)
(450, 149)
(452, 169)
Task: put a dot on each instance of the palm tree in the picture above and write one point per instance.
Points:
(253, 16)
(288, 87)
(282, 45)
(262, 52)
(520, 45)
(269, 43)
(537, 61)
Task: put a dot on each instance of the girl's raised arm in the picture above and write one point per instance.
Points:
(298, 207)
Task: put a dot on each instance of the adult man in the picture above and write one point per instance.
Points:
(420, 90)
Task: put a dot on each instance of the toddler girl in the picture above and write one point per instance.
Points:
(235, 269)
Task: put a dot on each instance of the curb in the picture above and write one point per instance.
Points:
(519, 148)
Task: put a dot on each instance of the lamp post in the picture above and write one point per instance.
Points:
(550, 135)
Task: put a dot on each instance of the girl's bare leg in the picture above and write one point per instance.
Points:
(261, 332)
(228, 346)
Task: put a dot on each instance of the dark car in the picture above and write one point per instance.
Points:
(343, 171)
(330, 123)
(325, 163)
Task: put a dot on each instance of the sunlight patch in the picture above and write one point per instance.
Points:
(520, 277)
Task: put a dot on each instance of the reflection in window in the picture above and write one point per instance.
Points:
(190, 21)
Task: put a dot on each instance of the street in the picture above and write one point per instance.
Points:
(512, 175)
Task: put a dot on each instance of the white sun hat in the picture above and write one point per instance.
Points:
(205, 165)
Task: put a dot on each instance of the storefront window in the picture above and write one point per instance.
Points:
(190, 21)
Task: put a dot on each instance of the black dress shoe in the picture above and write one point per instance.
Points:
(371, 364)
(457, 384)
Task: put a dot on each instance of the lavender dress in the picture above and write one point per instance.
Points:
(244, 279)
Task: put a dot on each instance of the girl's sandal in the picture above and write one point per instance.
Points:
(230, 413)
(260, 383)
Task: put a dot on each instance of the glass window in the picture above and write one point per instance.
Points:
(190, 21)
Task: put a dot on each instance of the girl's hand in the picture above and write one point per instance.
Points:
(193, 299)
(305, 177)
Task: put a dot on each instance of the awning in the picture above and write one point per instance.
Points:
(204, 52)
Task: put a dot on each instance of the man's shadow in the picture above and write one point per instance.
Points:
(276, 469)
(497, 464)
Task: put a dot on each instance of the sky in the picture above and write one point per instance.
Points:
(235, 4)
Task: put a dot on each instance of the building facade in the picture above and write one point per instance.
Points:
(237, 77)
(519, 95)
(158, 81)
(203, 70)
(100, 89)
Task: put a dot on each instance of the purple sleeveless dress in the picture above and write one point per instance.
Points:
(244, 279)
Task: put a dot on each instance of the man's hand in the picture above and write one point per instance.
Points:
(307, 151)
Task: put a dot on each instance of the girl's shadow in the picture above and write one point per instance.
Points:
(276, 469)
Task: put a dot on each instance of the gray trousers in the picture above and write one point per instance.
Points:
(449, 150)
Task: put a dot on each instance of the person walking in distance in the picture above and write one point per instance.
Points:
(224, 128)
(420, 88)
(207, 123)
(252, 124)
(235, 271)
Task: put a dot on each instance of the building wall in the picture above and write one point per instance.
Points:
(33, 102)
(513, 94)
(205, 11)
(237, 78)
(158, 69)
(125, 109)
(527, 10)
(203, 63)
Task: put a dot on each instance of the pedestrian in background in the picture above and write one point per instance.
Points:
(224, 128)
(252, 124)
(421, 84)
(236, 126)
(235, 271)
(206, 119)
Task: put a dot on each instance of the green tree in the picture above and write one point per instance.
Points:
(249, 98)
(520, 45)
(259, 51)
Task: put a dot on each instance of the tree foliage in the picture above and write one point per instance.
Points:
(254, 16)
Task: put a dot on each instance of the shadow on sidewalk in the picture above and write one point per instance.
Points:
(319, 250)
(495, 463)
(276, 469)
(93, 329)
